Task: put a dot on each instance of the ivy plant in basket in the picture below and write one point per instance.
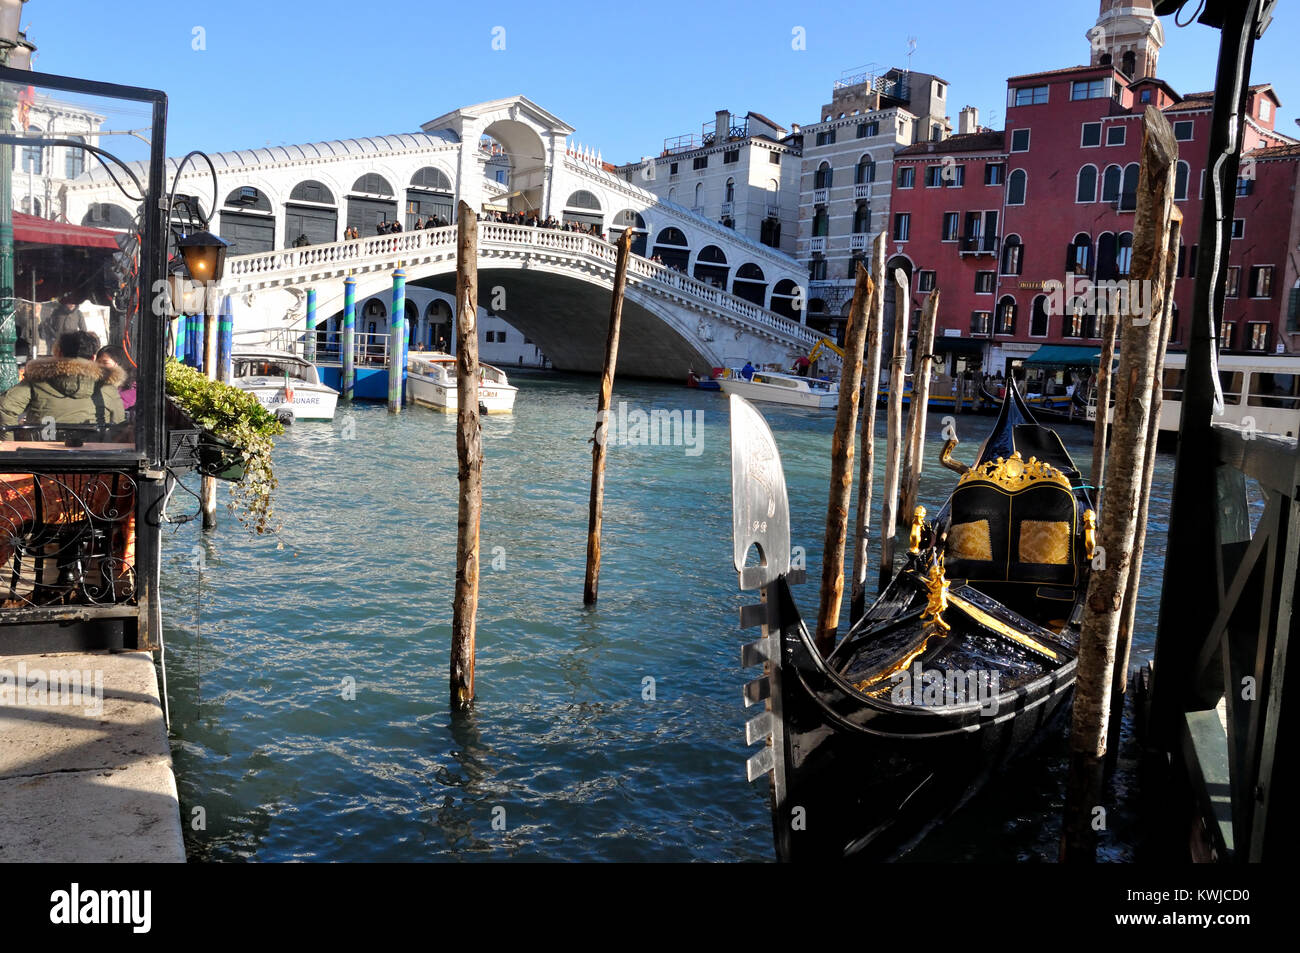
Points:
(235, 441)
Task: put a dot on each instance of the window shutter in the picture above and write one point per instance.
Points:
(1293, 312)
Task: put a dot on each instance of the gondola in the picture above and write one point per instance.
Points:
(966, 659)
(1075, 409)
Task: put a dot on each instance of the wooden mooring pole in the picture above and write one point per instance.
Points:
(597, 503)
(846, 422)
(894, 429)
(1101, 428)
(1141, 332)
(866, 471)
(922, 361)
(469, 453)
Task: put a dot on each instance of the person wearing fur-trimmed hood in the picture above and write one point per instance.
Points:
(69, 387)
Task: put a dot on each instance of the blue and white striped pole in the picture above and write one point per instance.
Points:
(309, 345)
(225, 341)
(349, 372)
(396, 342)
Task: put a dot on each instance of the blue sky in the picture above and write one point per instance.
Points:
(624, 75)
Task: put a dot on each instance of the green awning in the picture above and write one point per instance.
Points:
(1066, 355)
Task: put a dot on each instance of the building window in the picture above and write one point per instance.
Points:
(1087, 185)
(1124, 254)
(672, 168)
(33, 156)
(1016, 187)
(1258, 335)
(821, 224)
(75, 161)
(956, 177)
(817, 270)
(1232, 285)
(1007, 315)
(951, 225)
(826, 137)
(868, 129)
(933, 176)
(731, 191)
(984, 281)
(700, 162)
(1183, 130)
(1115, 135)
(1265, 110)
(1129, 189)
(731, 155)
(856, 260)
(1020, 140)
(865, 171)
(1128, 64)
(1111, 180)
(1106, 268)
(774, 158)
(981, 323)
(925, 281)
(936, 132)
(862, 219)
(1013, 258)
(902, 226)
(1181, 175)
(1091, 134)
(1088, 89)
(906, 177)
(1031, 95)
(824, 176)
(994, 173)
(1191, 262)
(1245, 187)
(1238, 228)
(1261, 281)
(1145, 96)
(1038, 318)
(1225, 336)
(769, 232)
(1079, 255)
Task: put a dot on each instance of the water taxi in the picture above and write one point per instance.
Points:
(778, 388)
(431, 382)
(286, 385)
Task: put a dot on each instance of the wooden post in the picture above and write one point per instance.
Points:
(1119, 679)
(397, 342)
(601, 434)
(866, 472)
(349, 369)
(1101, 427)
(1140, 341)
(469, 453)
(894, 429)
(208, 485)
(837, 508)
(921, 365)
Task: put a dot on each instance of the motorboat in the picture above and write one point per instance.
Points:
(431, 382)
(780, 388)
(285, 384)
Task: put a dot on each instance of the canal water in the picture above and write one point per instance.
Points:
(307, 672)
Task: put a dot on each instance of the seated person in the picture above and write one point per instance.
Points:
(69, 387)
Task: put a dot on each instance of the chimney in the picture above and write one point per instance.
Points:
(722, 127)
(968, 120)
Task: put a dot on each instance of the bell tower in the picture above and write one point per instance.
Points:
(1128, 35)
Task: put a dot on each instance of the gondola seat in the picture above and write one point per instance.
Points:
(1014, 522)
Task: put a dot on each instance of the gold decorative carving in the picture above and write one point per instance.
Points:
(1015, 473)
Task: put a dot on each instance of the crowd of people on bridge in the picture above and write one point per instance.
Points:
(534, 220)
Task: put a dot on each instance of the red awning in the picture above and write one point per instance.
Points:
(32, 230)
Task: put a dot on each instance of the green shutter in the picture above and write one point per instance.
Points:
(1293, 312)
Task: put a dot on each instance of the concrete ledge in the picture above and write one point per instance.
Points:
(85, 767)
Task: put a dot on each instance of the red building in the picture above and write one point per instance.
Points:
(1016, 226)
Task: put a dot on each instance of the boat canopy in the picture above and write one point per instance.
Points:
(1065, 355)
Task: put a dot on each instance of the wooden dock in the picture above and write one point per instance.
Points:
(85, 777)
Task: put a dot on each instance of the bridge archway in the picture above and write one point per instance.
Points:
(583, 208)
(524, 152)
(672, 248)
(785, 296)
(750, 284)
(438, 319)
(711, 266)
(311, 211)
(371, 201)
(430, 193)
(633, 220)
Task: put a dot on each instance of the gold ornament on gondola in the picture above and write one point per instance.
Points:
(937, 596)
(1089, 534)
(914, 537)
(1015, 473)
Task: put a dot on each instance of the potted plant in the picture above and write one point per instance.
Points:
(230, 435)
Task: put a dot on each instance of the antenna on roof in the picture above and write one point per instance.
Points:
(911, 48)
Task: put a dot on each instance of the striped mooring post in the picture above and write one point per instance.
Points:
(225, 341)
(180, 327)
(396, 341)
(309, 344)
(349, 371)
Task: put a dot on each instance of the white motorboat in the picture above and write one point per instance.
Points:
(781, 388)
(431, 381)
(286, 385)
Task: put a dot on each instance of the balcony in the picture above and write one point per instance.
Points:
(858, 241)
(862, 190)
(697, 209)
(821, 196)
(772, 211)
(728, 208)
(817, 244)
(978, 245)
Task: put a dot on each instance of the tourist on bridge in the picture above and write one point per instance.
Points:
(419, 223)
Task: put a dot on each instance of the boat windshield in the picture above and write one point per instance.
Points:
(268, 367)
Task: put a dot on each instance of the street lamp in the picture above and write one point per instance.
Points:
(15, 53)
(205, 255)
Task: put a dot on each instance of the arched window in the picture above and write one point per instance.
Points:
(372, 183)
(731, 191)
(583, 199)
(1111, 180)
(311, 191)
(1106, 250)
(821, 223)
(784, 295)
(248, 199)
(1087, 187)
(749, 283)
(865, 170)
(1124, 256)
(430, 178)
(1013, 259)
(671, 248)
(1074, 320)
(671, 236)
(1079, 255)
(862, 219)
(107, 215)
(699, 195)
(1128, 63)
(33, 156)
(1129, 190)
(1006, 323)
(1038, 319)
(1180, 181)
(711, 266)
(824, 176)
(74, 160)
(1016, 187)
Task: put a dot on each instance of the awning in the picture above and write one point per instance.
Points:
(1066, 355)
(956, 345)
(32, 230)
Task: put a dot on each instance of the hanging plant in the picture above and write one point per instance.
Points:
(237, 440)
